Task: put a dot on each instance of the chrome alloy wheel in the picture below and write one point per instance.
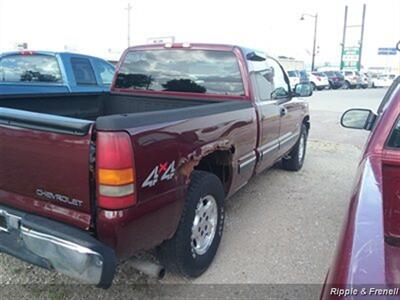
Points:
(302, 145)
(204, 225)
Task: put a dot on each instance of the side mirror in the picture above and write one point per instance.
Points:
(303, 90)
(358, 119)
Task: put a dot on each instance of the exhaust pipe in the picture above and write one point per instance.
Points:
(149, 268)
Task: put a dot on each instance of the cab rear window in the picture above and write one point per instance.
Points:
(192, 71)
(30, 68)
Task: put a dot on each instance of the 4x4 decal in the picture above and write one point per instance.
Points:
(163, 170)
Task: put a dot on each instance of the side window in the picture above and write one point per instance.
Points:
(263, 79)
(394, 139)
(83, 71)
(105, 71)
(280, 86)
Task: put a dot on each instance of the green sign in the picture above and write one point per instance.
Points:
(350, 58)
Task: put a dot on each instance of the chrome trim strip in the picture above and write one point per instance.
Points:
(269, 145)
(286, 140)
(247, 162)
(283, 137)
(270, 149)
(244, 157)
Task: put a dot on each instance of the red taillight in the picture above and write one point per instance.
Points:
(115, 173)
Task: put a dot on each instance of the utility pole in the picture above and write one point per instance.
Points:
(315, 43)
(346, 8)
(129, 8)
(362, 35)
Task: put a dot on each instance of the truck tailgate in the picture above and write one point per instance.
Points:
(44, 165)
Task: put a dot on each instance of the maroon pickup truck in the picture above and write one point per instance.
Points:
(87, 180)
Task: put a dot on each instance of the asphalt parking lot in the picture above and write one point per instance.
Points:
(280, 229)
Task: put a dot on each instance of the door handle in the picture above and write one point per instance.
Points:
(283, 111)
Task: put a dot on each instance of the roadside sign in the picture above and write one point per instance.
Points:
(161, 40)
(350, 58)
(387, 51)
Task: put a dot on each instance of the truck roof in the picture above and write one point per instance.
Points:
(47, 53)
(197, 46)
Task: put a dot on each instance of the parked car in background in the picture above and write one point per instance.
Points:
(383, 80)
(368, 251)
(89, 179)
(319, 81)
(352, 79)
(335, 78)
(304, 78)
(294, 78)
(32, 72)
(366, 80)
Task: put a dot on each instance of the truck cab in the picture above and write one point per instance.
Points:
(41, 72)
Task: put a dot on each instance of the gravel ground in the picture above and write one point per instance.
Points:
(280, 229)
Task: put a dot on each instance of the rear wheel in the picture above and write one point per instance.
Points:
(346, 85)
(314, 87)
(194, 245)
(295, 159)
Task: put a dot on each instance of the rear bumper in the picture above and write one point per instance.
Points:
(56, 246)
(322, 85)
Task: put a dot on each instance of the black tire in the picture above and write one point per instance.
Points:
(178, 254)
(295, 161)
(314, 87)
(346, 85)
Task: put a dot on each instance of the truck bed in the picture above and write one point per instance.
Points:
(75, 113)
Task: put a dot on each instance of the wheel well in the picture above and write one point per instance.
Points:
(220, 164)
(306, 122)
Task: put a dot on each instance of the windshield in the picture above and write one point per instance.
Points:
(193, 71)
(30, 68)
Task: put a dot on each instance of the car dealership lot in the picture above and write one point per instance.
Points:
(280, 228)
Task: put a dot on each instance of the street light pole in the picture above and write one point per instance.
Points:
(315, 42)
(346, 8)
(315, 37)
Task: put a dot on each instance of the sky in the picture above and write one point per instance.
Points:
(99, 27)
